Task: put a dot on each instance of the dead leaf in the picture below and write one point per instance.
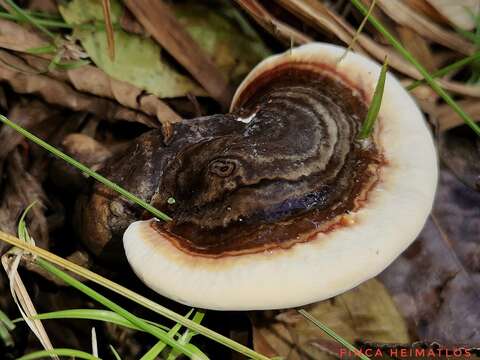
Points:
(178, 42)
(317, 15)
(25, 80)
(459, 13)
(418, 47)
(138, 60)
(448, 118)
(403, 15)
(14, 37)
(280, 30)
(365, 313)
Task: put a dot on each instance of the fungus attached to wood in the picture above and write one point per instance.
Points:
(278, 204)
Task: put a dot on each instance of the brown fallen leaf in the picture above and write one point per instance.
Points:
(403, 15)
(14, 36)
(418, 47)
(448, 118)
(365, 313)
(176, 40)
(311, 11)
(459, 13)
(314, 11)
(88, 78)
(280, 30)
(424, 8)
(25, 79)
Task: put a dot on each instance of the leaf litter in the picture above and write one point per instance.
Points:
(434, 285)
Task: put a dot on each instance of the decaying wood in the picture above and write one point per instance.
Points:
(159, 21)
(283, 32)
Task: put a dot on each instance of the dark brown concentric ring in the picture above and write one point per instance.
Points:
(294, 169)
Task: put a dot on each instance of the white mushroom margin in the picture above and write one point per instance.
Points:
(391, 219)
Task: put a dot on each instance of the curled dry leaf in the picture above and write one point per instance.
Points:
(403, 15)
(88, 79)
(140, 60)
(319, 16)
(459, 13)
(25, 79)
(447, 118)
(280, 30)
(418, 47)
(365, 313)
(15, 37)
(313, 13)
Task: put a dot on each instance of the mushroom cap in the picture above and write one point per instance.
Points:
(334, 261)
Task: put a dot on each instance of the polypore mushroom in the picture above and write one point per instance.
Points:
(278, 204)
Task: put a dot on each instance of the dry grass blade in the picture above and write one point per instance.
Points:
(107, 15)
(10, 262)
(283, 32)
(149, 304)
(402, 14)
(359, 30)
(158, 20)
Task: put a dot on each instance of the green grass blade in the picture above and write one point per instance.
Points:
(428, 78)
(160, 346)
(187, 336)
(115, 353)
(5, 336)
(85, 169)
(6, 321)
(359, 30)
(374, 108)
(59, 352)
(26, 17)
(153, 330)
(332, 334)
(47, 49)
(131, 295)
(447, 69)
(70, 65)
(22, 227)
(94, 314)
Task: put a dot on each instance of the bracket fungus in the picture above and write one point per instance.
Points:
(278, 204)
